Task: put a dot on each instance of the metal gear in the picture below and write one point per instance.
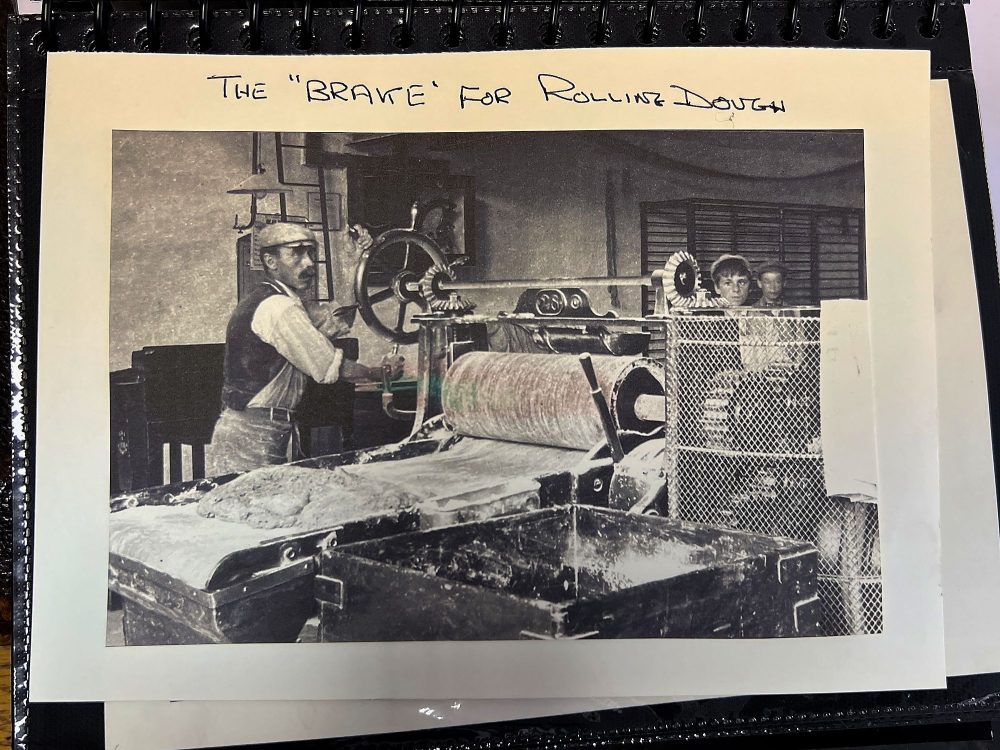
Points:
(437, 299)
(454, 305)
(681, 280)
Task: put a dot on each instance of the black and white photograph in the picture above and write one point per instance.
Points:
(489, 386)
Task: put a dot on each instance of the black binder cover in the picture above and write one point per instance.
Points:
(964, 710)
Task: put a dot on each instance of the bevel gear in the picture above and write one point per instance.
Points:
(439, 300)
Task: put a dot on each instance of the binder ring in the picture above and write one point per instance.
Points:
(930, 25)
(100, 30)
(503, 37)
(201, 37)
(791, 26)
(402, 35)
(47, 41)
(600, 31)
(355, 33)
(695, 29)
(552, 33)
(451, 35)
(648, 29)
(884, 26)
(251, 39)
(745, 28)
(837, 27)
(152, 31)
(303, 37)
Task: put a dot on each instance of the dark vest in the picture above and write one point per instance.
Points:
(250, 362)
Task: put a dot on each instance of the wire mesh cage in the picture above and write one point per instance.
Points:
(744, 450)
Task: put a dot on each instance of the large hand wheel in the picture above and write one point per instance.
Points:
(398, 258)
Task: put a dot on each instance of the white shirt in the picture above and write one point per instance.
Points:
(281, 321)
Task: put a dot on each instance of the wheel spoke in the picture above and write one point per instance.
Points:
(401, 316)
(383, 265)
(380, 296)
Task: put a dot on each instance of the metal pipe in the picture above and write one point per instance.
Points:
(603, 410)
(581, 281)
(279, 163)
(651, 408)
(323, 212)
(388, 397)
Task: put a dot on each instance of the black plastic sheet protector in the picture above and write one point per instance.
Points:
(527, 576)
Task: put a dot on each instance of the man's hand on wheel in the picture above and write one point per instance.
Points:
(362, 237)
(394, 363)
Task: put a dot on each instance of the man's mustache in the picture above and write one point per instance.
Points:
(307, 275)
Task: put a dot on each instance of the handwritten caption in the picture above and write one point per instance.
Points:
(551, 88)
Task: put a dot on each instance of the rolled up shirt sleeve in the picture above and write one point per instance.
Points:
(283, 323)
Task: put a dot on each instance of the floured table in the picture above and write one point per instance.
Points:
(187, 576)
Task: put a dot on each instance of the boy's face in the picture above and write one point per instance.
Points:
(772, 284)
(733, 288)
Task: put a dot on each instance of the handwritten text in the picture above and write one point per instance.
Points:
(556, 90)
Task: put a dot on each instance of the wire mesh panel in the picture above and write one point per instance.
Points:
(744, 449)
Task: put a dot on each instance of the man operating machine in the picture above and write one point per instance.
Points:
(273, 347)
(547, 490)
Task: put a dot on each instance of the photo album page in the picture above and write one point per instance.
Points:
(558, 374)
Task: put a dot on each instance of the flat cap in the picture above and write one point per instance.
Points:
(285, 233)
(772, 267)
(730, 260)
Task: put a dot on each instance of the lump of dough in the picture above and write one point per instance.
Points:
(274, 497)
(271, 497)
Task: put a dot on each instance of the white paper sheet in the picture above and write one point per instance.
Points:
(970, 546)
(970, 541)
(28, 7)
(847, 399)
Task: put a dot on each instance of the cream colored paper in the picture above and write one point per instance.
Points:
(847, 399)
(970, 542)
(90, 95)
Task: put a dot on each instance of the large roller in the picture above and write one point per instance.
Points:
(544, 399)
